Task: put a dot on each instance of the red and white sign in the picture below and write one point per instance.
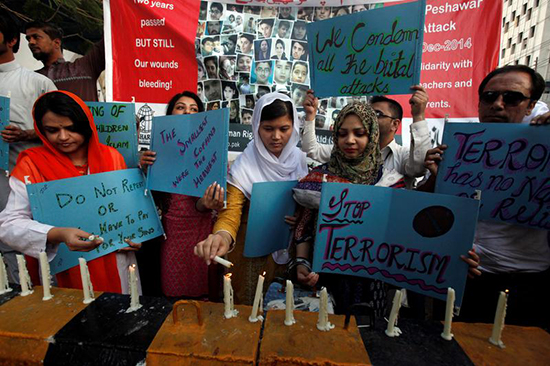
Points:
(461, 46)
(150, 49)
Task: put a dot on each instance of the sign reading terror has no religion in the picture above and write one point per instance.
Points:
(112, 205)
(508, 162)
(407, 238)
(367, 53)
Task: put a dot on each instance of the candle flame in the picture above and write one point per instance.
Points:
(507, 291)
(228, 275)
(263, 274)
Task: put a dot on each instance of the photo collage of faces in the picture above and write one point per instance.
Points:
(244, 52)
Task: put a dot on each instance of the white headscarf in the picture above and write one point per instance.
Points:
(257, 164)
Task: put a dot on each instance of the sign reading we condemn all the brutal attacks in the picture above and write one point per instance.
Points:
(374, 52)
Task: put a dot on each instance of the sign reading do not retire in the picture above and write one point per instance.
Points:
(409, 239)
(367, 53)
(112, 205)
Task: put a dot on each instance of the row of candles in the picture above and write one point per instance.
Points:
(393, 331)
(229, 310)
(87, 287)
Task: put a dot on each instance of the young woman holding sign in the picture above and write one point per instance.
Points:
(355, 158)
(71, 149)
(271, 156)
(186, 221)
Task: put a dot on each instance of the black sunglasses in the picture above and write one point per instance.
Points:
(380, 114)
(511, 98)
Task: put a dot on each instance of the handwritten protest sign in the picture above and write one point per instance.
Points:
(409, 239)
(267, 231)
(116, 127)
(4, 121)
(112, 205)
(191, 152)
(367, 53)
(508, 162)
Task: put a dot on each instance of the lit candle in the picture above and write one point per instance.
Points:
(46, 276)
(24, 278)
(229, 310)
(134, 295)
(322, 322)
(223, 262)
(257, 300)
(289, 310)
(4, 284)
(449, 315)
(498, 326)
(87, 287)
(392, 330)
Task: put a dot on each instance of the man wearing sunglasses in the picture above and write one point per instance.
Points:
(509, 94)
(405, 161)
(511, 257)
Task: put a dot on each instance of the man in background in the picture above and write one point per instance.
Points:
(80, 76)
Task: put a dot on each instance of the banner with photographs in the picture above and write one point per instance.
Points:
(244, 52)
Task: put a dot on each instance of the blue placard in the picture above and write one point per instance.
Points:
(191, 152)
(375, 52)
(112, 205)
(407, 238)
(4, 121)
(116, 127)
(266, 231)
(508, 162)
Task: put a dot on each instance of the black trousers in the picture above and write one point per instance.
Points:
(528, 299)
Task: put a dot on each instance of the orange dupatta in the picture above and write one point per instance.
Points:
(46, 163)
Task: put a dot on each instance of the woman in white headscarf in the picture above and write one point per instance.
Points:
(271, 156)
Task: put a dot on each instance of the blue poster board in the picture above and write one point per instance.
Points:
(406, 238)
(191, 152)
(112, 205)
(375, 52)
(508, 162)
(116, 127)
(4, 121)
(266, 231)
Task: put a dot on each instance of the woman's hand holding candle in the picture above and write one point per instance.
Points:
(74, 239)
(215, 245)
